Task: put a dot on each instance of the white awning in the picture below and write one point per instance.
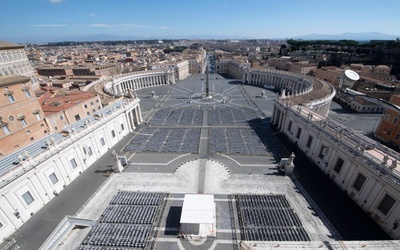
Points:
(197, 209)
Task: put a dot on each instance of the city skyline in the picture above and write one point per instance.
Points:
(60, 20)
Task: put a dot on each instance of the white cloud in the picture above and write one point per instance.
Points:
(100, 25)
(56, 1)
(92, 14)
(127, 25)
(49, 25)
(131, 25)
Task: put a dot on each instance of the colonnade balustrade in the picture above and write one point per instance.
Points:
(299, 89)
(279, 79)
(122, 84)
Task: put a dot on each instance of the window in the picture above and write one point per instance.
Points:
(37, 115)
(87, 113)
(386, 204)
(102, 142)
(10, 98)
(359, 182)
(322, 152)
(122, 127)
(113, 133)
(1, 225)
(28, 132)
(32, 139)
(61, 117)
(27, 93)
(77, 117)
(309, 141)
(289, 126)
(87, 150)
(5, 129)
(53, 178)
(339, 165)
(298, 133)
(91, 103)
(72, 162)
(28, 198)
(23, 122)
(395, 120)
(85, 106)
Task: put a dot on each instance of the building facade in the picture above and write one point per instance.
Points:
(388, 129)
(330, 74)
(366, 170)
(303, 68)
(55, 71)
(21, 117)
(13, 61)
(181, 69)
(233, 66)
(63, 107)
(33, 176)
(196, 58)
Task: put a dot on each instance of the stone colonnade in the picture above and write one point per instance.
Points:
(122, 84)
(278, 79)
(297, 85)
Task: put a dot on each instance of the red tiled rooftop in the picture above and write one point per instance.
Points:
(56, 100)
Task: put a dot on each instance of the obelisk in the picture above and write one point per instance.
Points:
(207, 84)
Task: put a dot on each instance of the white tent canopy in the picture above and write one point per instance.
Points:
(198, 215)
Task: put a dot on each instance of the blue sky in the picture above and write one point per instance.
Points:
(54, 20)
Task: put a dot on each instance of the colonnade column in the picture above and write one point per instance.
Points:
(274, 116)
(137, 115)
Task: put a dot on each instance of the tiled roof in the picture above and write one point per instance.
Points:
(11, 161)
(320, 90)
(61, 100)
(10, 80)
(6, 45)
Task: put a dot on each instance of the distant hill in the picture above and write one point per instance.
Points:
(105, 37)
(364, 36)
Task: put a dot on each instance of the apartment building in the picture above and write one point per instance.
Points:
(55, 71)
(303, 67)
(21, 117)
(196, 56)
(330, 74)
(232, 65)
(181, 68)
(64, 107)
